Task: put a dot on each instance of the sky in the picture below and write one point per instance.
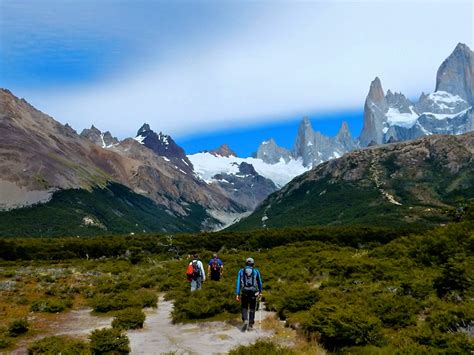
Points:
(212, 72)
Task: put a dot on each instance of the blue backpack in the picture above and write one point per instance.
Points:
(248, 280)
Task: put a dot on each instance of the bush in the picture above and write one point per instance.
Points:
(109, 340)
(261, 347)
(59, 345)
(342, 325)
(4, 343)
(454, 277)
(50, 305)
(395, 311)
(215, 298)
(131, 318)
(147, 298)
(17, 327)
(106, 302)
(293, 298)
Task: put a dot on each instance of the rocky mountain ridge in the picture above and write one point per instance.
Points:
(41, 156)
(391, 117)
(415, 182)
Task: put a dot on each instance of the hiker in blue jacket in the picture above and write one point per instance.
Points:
(248, 289)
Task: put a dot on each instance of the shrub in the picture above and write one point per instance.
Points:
(4, 343)
(342, 325)
(131, 318)
(395, 311)
(59, 345)
(113, 302)
(147, 298)
(50, 305)
(454, 277)
(261, 347)
(452, 317)
(109, 340)
(293, 298)
(17, 327)
(106, 302)
(215, 298)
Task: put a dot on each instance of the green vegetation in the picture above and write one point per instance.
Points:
(427, 200)
(356, 290)
(109, 210)
(262, 347)
(109, 340)
(59, 345)
(17, 327)
(130, 318)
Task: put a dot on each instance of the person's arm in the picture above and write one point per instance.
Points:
(237, 287)
(259, 281)
(209, 268)
(203, 272)
(222, 267)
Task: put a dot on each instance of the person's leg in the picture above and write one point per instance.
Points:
(193, 285)
(245, 307)
(252, 306)
(199, 283)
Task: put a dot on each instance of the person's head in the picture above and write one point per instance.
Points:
(195, 256)
(214, 256)
(249, 262)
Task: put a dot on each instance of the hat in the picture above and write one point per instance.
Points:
(250, 261)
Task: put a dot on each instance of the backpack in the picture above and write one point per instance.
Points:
(193, 271)
(248, 280)
(215, 267)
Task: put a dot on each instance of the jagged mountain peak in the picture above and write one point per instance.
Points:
(143, 129)
(456, 74)
(376, 93)
(344, 128)
(163, 145)
(96, 136)
(223, 151)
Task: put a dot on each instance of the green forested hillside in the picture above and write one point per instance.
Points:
(113, 209)
(420, 183)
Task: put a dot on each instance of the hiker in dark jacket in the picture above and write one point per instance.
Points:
(248, 289)
(215, 268)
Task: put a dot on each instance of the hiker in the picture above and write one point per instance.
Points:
(195, 273)
(215, 268)
(249, 288)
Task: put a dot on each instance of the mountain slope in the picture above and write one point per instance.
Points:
(41, 156)
(411, 182)
(108, 210)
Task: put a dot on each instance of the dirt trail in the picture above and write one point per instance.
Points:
(159, 334)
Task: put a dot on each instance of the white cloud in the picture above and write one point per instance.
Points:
(294, 58)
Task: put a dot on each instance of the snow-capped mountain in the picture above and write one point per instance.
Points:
(392, 117)
(163, 145)
(207, 165)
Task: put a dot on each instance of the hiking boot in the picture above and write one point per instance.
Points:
(244, 327)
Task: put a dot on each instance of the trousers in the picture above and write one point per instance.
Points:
(249, 305)
(196, 284)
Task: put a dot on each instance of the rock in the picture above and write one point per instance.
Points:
(456, 74)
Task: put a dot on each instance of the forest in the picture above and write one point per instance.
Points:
(346, 289)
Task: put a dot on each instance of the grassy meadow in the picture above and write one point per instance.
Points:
(352, 290)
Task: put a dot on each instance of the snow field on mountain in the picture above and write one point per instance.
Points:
(207, 165)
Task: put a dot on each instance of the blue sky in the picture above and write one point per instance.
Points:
(203, 71)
